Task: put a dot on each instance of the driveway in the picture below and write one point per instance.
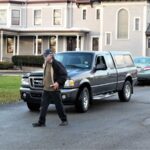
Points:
(108, 125)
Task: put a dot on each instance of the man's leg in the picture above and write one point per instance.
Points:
(59, 106)
(44, 107)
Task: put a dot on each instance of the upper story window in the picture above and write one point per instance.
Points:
(84, 14)
(97, 13)
(137, 24)
(15, 17)
(3, 16)
(37, 17)
(57, 17)
(122, 24)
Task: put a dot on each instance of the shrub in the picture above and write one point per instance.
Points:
(28, 60)
(6, 65)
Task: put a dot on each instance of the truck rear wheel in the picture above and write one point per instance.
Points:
(33, 106)
(125, 93)
(83, 99)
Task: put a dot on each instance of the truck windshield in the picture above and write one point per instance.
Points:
(75, 60)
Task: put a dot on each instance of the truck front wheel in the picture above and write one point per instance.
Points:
(83, 99)
(125, 93)
(33, 106)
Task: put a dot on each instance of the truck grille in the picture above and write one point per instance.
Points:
(36, 82)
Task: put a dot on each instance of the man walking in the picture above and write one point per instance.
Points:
(54, 78)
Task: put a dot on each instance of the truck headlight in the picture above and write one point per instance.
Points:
(25, 81)
(69, 83)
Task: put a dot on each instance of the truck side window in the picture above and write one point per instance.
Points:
(100, 63)
(110, 62)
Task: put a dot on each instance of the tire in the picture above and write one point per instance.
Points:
(125, 93)
(33, 106)
(83, 100)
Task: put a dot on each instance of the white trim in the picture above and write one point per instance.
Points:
(14, 50)
(101, 28)
(56, 43)
(18, 44)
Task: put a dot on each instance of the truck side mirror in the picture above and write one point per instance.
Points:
(100, 67)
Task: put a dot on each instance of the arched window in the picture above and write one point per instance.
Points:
(122, 24)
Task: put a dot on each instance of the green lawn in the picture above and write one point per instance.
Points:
(9, 89)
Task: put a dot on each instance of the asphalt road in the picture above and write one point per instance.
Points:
(108, 125)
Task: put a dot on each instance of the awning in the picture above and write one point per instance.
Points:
(45, 31)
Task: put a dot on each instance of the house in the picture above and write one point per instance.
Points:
(27, 27)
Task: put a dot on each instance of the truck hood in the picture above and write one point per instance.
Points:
(75, 72)
(71, 72)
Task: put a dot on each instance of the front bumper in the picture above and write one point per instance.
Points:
(34, 96)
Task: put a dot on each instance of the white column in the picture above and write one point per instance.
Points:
(36, 45)
(82, 43)
(18, 44)
(64, 44)
(77, 48)
(14, 50)
(56, 43)
(1, 55)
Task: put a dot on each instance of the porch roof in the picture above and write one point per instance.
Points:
(45, 31)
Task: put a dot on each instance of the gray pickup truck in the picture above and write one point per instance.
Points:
(91, 75)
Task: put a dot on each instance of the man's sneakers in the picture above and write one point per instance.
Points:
(38, 124)
(63, 123)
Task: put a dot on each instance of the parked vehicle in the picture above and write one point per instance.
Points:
(91, 75)
(143, 66)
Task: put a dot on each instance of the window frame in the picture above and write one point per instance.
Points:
(96, 15)
(15, 17)
(139, 25)
(34, 19)
(4, 16)
(92, 42)
(57, 17)
(117, 23)
(108, 44)
(84, 9)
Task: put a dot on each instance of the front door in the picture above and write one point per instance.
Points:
(71, 43)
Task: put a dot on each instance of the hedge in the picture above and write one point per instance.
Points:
(6, 65)
(28, 60)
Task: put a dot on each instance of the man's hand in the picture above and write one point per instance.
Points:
(55, 86)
